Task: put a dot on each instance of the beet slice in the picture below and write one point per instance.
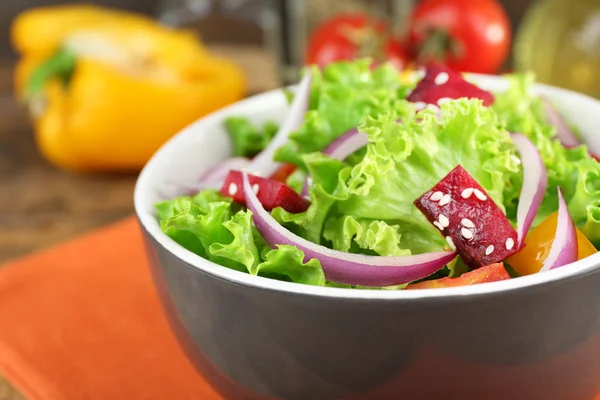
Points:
(270, 193)
(469, 219)
(441, 82)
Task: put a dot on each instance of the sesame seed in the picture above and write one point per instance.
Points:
(467, 193)
(444, 100)
(255, 188)
(420, 105)
(467, 234)
(510, 243)
(479, 194)
(432, 107)
(445, 200)
(441, 78)
(489, 250)
(450, 242)
(466, 222)
(444, 221)
(438, 225)
(436, 196)
(232, 189)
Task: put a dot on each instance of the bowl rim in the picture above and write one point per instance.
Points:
(149, 224)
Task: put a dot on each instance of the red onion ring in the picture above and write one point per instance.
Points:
(564, 133)
(263, 163)
(564, 246)
(341, 148)
(535, 182)
(351, 269)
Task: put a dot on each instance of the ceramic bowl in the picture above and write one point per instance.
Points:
(535, 337)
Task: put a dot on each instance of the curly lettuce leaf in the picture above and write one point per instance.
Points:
(209, 225)
(349, 234)
(404, 160)
(342, 96)
(573, 170)
(327, 188)
(247, 139)
(286, 263)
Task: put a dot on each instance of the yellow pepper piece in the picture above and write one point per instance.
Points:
(42, 30)
(134, 84)
(538, 242)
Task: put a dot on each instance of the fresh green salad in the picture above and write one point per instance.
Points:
(382, 180)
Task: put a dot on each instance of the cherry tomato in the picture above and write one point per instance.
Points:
(283, 173)
(351, 36)
(538, 242)
(467, 35)
(489, 273)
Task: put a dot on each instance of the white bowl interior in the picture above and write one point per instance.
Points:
(205, 143)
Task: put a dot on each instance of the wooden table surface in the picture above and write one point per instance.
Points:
(41, 205)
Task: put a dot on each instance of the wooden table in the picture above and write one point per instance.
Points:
(41, 205)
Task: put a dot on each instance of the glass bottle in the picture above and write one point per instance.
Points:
(559, 41)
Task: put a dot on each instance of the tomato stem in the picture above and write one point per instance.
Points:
(439, 46)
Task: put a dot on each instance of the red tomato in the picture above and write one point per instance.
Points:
(490, 273)
(351, 36)
(283, 173)
(467, 35)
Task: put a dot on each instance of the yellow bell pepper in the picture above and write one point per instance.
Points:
(107, 88)
(538, 242)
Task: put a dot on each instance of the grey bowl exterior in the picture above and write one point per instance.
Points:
(254, 338)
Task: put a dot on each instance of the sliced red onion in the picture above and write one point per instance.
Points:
(535, 182)
(564, 246)
(263, 163)
(351, 269)
(347, 144)
(341, 148)
(564, 133)
(215, 175)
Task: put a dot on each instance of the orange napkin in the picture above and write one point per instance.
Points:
(82, 321)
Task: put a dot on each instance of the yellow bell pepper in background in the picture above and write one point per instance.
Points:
(107, 88)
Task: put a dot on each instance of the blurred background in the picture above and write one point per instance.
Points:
(87, 93)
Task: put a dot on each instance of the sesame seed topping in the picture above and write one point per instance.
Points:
(438, 225)
(444, 221)
(432, 107)
(255, 188)
(479, 194)
(420, 105)
(436, 196)
(510, 243)
(232, 189)
(467, 234)
(450, 242)
(445, 200)
(467, 193)
(466, 222)
(444, 100)
(489, 250)
(441, 78)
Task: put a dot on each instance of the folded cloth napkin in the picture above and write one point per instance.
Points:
(82, 321)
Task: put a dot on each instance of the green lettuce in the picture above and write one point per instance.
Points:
(343, 94)
(573, 170)
(405, 160)
(247, 139)
(213, 227)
